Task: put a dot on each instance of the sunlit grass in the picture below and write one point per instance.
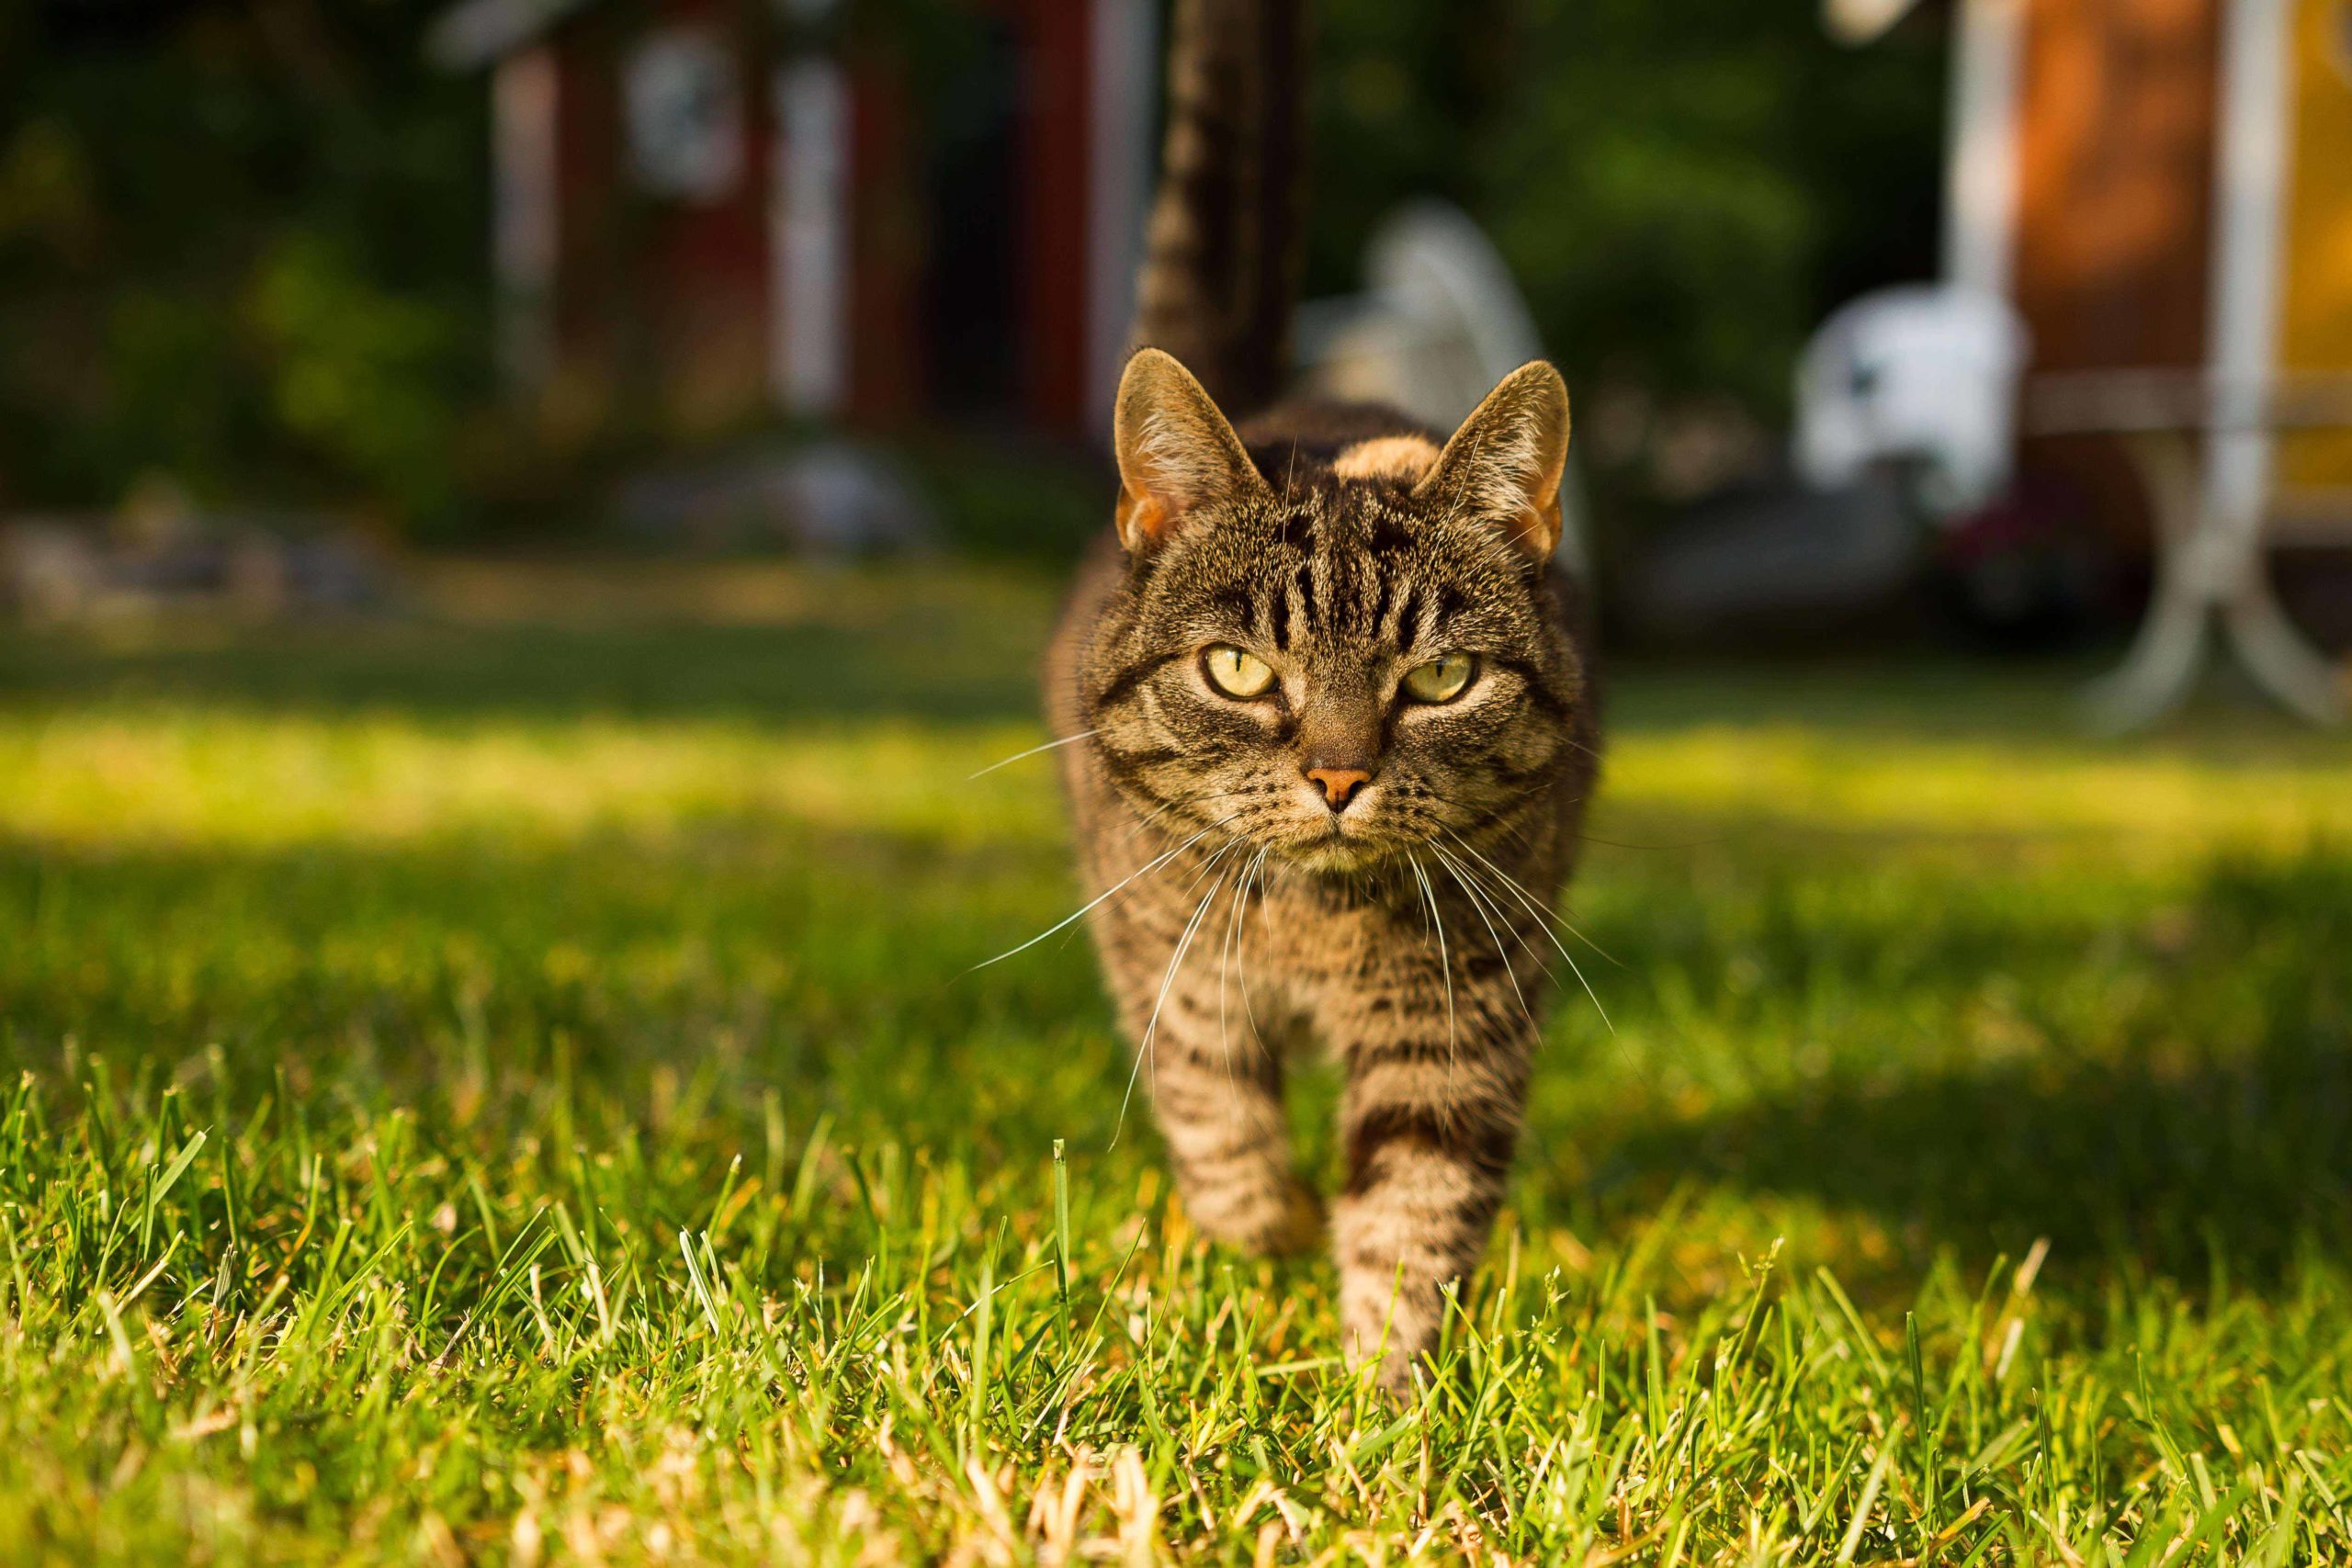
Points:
(511, 1083)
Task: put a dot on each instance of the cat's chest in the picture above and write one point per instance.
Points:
(1327, 948)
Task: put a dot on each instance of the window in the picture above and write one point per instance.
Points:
(685, 114)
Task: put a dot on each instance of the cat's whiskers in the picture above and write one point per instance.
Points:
(1623, 1046)
(1474, 885)
(1495, 902)
(1175, 962)
(1234, 919)
(1541, 906)
(1477, 903)
(1224, 963)
(1034, 750)
(1153, 865)
(1258, 880)
(1515, 829)
(1512, 886)
(1165, 807)
(1446, 962)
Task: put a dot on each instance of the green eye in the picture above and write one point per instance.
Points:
(1442, 679)
(1237, 673)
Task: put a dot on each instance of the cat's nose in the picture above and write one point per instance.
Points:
(1339, 784)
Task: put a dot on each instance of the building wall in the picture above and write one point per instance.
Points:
(1057, 136)
(2115, 194)
(590, 277)
(705, 260)
(2117, 116)
(886, 247)
(660, 302)
(2315, 333)
(670, 310)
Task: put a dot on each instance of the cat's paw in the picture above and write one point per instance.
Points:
(1282, 1223)
(1389, 1330)
(1298, 1227)
(1396, 1368)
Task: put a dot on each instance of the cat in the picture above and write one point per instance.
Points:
(1327, 720)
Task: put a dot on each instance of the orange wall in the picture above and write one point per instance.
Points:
(2116, 123)
(2315, 324)
(2116, 149)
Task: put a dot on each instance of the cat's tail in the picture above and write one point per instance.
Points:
(1222, 254)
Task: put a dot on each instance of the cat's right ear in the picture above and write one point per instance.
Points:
(1176, 452)
(1503, 466)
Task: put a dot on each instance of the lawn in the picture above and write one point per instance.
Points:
(509, 1082)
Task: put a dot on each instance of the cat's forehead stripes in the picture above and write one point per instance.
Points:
(1339, 573)
(1344, 576)
(1348, 574)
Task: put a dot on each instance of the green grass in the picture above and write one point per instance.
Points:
(508, 1084)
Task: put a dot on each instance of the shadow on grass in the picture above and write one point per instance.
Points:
(2030, 712)
(2201, 1127)
(926, 667)
(834, 969)
(2177, 1104)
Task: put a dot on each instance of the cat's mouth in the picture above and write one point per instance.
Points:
(1338, 848)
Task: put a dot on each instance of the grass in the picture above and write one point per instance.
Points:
(508, 1084)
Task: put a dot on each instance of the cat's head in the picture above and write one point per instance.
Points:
(1340, 661)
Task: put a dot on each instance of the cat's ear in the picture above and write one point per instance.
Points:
(1176, 452)
(1504, 464)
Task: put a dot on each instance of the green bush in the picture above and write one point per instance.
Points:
(243, 246)
(360, 375)
(240, 248)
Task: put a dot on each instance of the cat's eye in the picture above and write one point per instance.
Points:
(1236, 673)
(1442, 679)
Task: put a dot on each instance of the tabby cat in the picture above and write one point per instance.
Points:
(1328, 726)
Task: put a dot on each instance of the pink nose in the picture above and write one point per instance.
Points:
(1339, 784)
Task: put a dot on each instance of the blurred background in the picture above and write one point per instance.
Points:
(289, 289)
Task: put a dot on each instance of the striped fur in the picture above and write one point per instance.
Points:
(1406, 934)
(1223, 253)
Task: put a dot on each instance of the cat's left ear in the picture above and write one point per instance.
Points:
(1176, 452)
(1504, 464)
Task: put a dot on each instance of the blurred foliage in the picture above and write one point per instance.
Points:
(355, 370)
(241, 241)
(1684, 191)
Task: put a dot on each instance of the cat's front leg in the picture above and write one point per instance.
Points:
(1429, 1117)
(1214, 1075)
(1218, 1093)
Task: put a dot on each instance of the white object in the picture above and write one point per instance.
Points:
(809, 222)
(1859, 21)
(524, 236)
(475, 32)
(1981, 172)
(2207, 571)
(1922, 375)
(2250, 184)
(2202, 440)
(2209, 526)
(685, 114)
(1440, 321)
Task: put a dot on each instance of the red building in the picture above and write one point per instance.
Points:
(710, 210)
